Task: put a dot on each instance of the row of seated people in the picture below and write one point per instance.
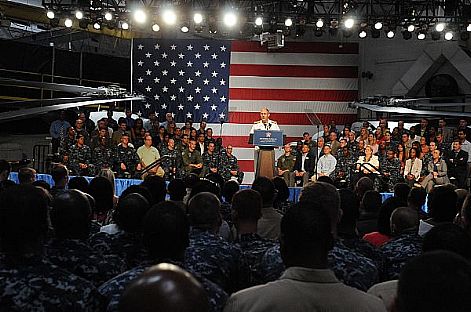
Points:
(225, 242)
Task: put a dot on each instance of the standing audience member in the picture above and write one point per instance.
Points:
(58, 131)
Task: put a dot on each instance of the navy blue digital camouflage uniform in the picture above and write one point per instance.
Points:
(129, 157)
(229, 163)
(79, 155)
(102, 157)
(210, 161)
(393, 167)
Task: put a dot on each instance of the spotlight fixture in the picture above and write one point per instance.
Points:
(435, 35)
(362, 34)
(68, 22)
(390, 34)
(410, 28)
(230, 19)
(421, 35)
(288, 22)
(448, 35)
(320, 23)
(108, 16)
(78, 14)
(124, 25)
(97, 25)
(349, 22)
(155, 27)
(440, 27)
(169, 17)
(378, 25)
(184, 28)
(406, 34)
(468, 28)
(259, 21)
(140, 16)
(198, 18)
(50, 14)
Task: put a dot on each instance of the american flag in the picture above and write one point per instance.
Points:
(233, 80)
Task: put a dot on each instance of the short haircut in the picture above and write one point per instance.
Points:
(247, 205)
(266, 188)
(102, 192)
(70, 215)
(138, 189)
(281, 188)
(205, 185)
(326, 179)
(417, 197)
(229, 189)
(442, 203)
(176, 189)
(363, 184)
(130, 212)
(435, 281)
(350, 211)
(403, 219)
(165, 231)
(43, 184)
(448, 236)
(26, 175)
(204, 211)
(78, 183)
(59, 172)
(326, 196)
(156, 186)
(371, 201)
(401, 191)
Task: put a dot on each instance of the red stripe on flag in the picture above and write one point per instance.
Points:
(246, 165)
(297, 47)
(293, 95)
(291, 118)
(294, 71)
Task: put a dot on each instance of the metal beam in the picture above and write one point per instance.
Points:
(403, 110)
(50, 86)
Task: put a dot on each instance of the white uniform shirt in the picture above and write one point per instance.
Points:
(259, 125)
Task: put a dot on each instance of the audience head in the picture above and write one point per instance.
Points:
(266, 188)
(70, 215)
(176, 189)
(205, 185)
(350, 212)
(448, 236)
(218, 179)
(165, 231)
(435, 281)
(416, 198)
(60, 175)
(164, 287)
(138, 189)
(363, 185)
(282, 189)
(109, 174)
(78, 183)
(404, 220)
(371, 202)
(442, 204)
(130, 212)
(157, 187)
(229, 189)
(43, 184)
(246, 206)
(5, 169)
(401, 192)
(204, 211)
(191, 180)
(102, 192)
(26, 175)
(326, 179)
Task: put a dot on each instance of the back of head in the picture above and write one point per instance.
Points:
(281, 188)
(70, 215)
(130, 212)
(23, 218)
(326, 179)
(216, 178)
(78, 183)
(305, 231)
(442, 203)
(26, 175)
(109, 174)
(363, 184)
(176, 189)
(448, 236)
(157, 187)
(404, 220)
(229, 189)
(416, 198)
(247, 206)
(205, 185)
(101, 190)
(266, 188)
(43, 184)
(165, 231)
(401, 191)
(350, 212)
(138, 189)
(164, 287)
(437, 281)
(326, 197)
(204, 211)
(5, 169)
(191, 180)
(371, 202)
(60, 174)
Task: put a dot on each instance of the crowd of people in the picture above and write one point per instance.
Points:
(204, 244)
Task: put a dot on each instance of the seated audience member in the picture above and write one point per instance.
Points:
(124, 237)
(437, 172)
(404, 245)
(457, 165)
(165, 237)
(230, 166)
(157, 187)
(413, 167)
(109, 175)
(441, 207)
(228, 191)
(68, 249)
(28, 281)
(125, 158)
(150, 291)
(26, 175)
(350, 267)
(102, 192)
(326, 164)
(192, 160)
(269, 224)
(345, 160)
(80, 157)
(176, 190)
(43, 184)
(435, 281)
(60, 176)
(369, 211)
(391, 169)
(247, 210)
(148, 155)
(303, 167)
(416, 200)
(285, 165)
(208, 254)
(78, 183)
(282, 202)
(307, 284)
(363, 185)
(211, 159)
(368, 165)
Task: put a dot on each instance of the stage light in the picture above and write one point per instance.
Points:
(320, 23)
(169, 17)
(259, 21)
(68, 22)
(230, 19)
(410, 28)
(288, 22)
(79, 15)
(198, 18)
(140, 16)
(435, 35)
(406, 35)
(349, 22)
(108, 16)
(184, 28)
(124, 25)
(156, 27)
(469, 27)
(390, 34)
(378, 25)
(50, 14)
(97, 25)
(362, 34)
(440, 27)
(448, 35)
(421, 35)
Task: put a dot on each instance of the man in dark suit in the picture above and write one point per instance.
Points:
(201, 144)
(304, 166)
(457, 161)
(423, 129)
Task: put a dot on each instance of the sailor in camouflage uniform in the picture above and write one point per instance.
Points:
(211, 160)
(343, 168)
(65, 144)
(80, 157)
(230, 166)
(285, 165)
(102, 156)
(391, 169)
(172, 164)
(126, 158)
(191, 158)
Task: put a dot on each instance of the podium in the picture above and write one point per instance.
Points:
(266, 141)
